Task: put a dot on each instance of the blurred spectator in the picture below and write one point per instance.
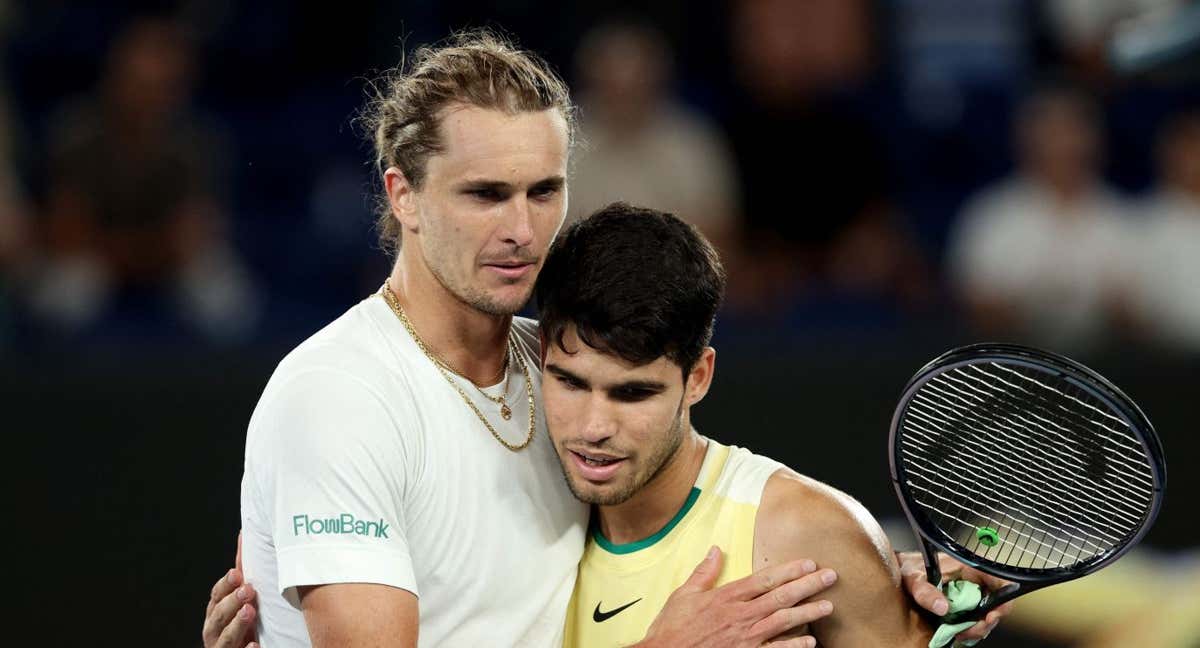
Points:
(1082, 30)
(641, 146)
(1040, 255)
(1166, 287)
(814, 170)
(133, 213)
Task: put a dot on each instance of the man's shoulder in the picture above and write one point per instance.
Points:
(353, 343)
(744, 474)
(348, 363)
(799, 511)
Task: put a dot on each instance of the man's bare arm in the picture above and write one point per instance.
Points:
(803, 517)
(350, 615)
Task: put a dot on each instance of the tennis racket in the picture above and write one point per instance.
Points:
(1023, 464)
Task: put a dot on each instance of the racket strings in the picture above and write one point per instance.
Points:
(1120, 439)
(1028, 471)
(1027, 528)
(1087, 491)
(1027, 509)
(1003, 407)
(1004, 541)
(1030, 507)
(1129, 467)
(1071, 431)
(992, 460)
(1002, 522)
(1056, 478)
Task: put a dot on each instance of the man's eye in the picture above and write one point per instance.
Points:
(569, 383)
(632, 395)
(490, 195)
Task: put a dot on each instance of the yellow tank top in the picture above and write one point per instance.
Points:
(622, 587)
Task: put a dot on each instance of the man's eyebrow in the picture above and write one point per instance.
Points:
(647, 385)
(563, 373)
(553, 182)
(474, 184)
(481, 183)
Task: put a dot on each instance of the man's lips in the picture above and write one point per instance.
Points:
(595, 466)
(511, 269)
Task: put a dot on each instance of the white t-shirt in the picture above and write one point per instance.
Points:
(1059, 267)
(364, 465)
(1166, 289)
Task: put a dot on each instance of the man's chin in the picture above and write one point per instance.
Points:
(606, 494)
(499, 304)
(504, 300)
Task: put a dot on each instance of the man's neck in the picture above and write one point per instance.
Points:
(652, 507)
(468, 339)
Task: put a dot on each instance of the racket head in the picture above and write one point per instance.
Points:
(942, 429)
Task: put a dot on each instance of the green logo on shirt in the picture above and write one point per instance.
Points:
(342, 524)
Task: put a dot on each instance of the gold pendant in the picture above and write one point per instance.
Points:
(505, 412)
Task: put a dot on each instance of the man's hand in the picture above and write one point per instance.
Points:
(229, 620)
(912, 570)
(746, 612)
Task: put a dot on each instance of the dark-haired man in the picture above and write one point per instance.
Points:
(624, 361)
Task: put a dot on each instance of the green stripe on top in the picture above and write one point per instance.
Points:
(638, 545)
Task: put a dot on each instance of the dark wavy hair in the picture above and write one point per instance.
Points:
(635, 282)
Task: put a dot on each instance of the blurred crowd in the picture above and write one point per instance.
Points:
(194, 177)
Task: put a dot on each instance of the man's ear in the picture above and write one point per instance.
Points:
(402, 198)
(699, 379)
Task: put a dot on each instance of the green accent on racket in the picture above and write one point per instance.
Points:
(987, 536)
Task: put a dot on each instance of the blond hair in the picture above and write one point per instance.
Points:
(477, 68)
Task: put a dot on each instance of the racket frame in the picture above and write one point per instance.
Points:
(1024, 580)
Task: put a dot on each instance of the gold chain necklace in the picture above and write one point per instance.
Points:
(394, 303)
(505, 410)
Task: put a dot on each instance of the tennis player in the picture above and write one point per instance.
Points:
(400, 455)
(625, 361)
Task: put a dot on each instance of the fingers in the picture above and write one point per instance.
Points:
(792, 592)
(237, 632)
(705, 574)
(223, 588)
(910, 561)
(765, 580)
(976, 632)
(789, 618)
(950, 566)
(927, 596)
(795, 642)
(231, 611)
(985, 626)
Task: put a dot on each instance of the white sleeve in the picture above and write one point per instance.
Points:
(332, 468)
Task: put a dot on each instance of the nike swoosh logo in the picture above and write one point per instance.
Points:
(600, 617)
